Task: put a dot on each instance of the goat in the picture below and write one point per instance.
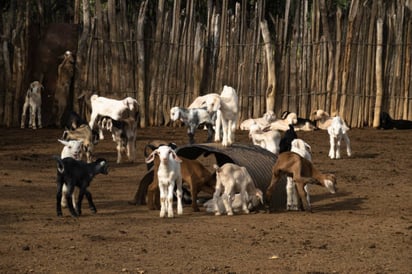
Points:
(226, 116)
(72, 149)
(123, 134)
(211, 101)
(263, 122)
(302, 124)
(231, 178)
(154, 144)
(236, 203)
(65, 73)
(32, 102)
(193, 173)
(193, 117)
(338, 130)
(268, 140)
(84, 134)
(324, 120)
(286, 141)
(74, 173)
(71, 120)
(115, 109)
(386, 122)
(282, 124)
(303, 173)
(168, 175)
(304, 150)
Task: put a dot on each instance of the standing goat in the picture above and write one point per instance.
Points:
(79, 174)
(169, 175)
(304, 150)
(192, 118)
(115, 109)
(123, 134)
(227, 115)
(32, 102)
(303, 173)
(65, 73)
(231, 178)
(338, 131)
(72, 149)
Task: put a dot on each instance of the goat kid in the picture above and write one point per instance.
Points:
(32, 102)
(268, 140)
(74, 173)
(169, 175)
(303, 173)
(338, 131)
(226, 116)
(232, 179)
(192, 118)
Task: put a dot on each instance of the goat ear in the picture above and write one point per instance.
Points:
(66, 143)
(151, 157)
(175, 157)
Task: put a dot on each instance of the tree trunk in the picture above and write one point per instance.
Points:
(270, 52)
(141, 98)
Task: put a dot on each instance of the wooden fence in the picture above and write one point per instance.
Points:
(313, 55)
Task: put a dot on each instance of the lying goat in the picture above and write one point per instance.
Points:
(302, 124)
(268, 140)
(386, 122)
(79, 174)
(263, 122)
(32, 102)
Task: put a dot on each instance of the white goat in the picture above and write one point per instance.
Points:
(72, 149)
(263, 122)
(210, 205)
(115, 109)
(338, 130)
(227, 115)
(304, 150)
(231, 178)
(192, 118)
(268, 140)
(283, 124)
(32, 102)
(210, 100)
(168, 174)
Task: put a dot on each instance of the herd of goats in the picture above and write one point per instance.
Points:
(231, 185)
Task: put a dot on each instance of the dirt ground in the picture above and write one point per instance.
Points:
(364, 228)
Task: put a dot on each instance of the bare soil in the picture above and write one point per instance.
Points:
(364, 228)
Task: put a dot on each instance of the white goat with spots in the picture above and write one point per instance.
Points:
(168, 174)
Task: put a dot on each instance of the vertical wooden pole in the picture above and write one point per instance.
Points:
(378, 72)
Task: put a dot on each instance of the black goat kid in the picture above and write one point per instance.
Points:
(79, 174)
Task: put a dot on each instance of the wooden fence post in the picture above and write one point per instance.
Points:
(378, 72)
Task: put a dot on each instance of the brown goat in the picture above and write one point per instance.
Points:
(303, 172)
(65, 74)
(193, 173)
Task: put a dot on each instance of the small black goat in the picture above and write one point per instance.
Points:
(71, 120)
(74, 173)
(286, 141)
(386, 122)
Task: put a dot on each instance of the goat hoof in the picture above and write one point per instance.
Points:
(59, 214)
(93, 210)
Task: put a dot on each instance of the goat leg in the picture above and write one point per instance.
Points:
(90, 200)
